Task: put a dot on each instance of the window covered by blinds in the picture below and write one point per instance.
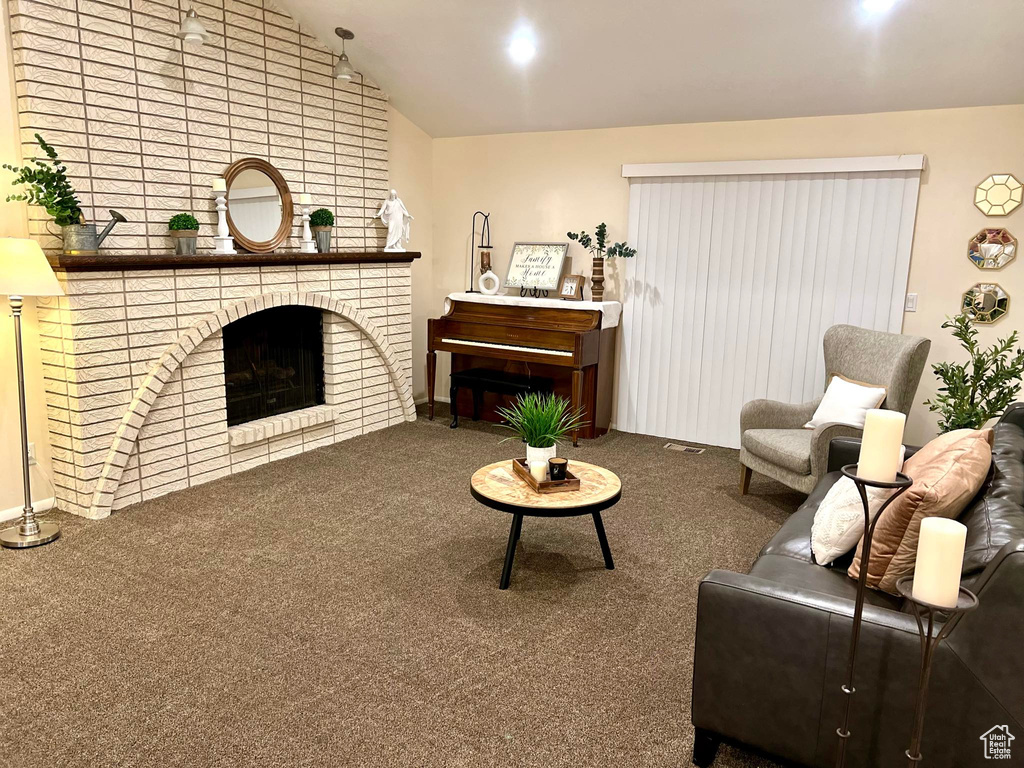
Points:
(738, 276)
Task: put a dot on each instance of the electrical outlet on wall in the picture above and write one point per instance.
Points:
(31, 454)
(911, 303)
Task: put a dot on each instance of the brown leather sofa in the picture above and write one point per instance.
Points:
(771, 646)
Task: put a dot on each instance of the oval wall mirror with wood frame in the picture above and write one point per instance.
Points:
(259, 205)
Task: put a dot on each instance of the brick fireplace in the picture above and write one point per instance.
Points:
(134, 365)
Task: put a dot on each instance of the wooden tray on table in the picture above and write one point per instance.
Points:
(571, 482)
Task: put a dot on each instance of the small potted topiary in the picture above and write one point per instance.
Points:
(320, 221)
(184, 227)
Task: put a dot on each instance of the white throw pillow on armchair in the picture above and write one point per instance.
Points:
(846, 402)
(839, 520)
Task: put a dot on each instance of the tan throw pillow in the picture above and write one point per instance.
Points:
(947, 474)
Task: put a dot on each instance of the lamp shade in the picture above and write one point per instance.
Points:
(24, 270)
(343, 69)
(192, 29)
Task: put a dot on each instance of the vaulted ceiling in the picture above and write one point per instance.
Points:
(601, 63)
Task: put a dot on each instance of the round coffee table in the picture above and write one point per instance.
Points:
(497, 487)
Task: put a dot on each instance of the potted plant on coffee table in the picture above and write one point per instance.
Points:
(597, 245)
(184, 228)
(541, 421)
(320, 221)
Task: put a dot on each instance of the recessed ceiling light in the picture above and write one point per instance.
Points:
(877, 6)
(522, 48)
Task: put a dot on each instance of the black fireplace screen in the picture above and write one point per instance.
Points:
(273, 363)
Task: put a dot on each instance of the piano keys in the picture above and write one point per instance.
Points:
(567, 343)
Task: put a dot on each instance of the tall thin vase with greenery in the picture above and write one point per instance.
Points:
(975, 392)
(541, 421)
(600, 250)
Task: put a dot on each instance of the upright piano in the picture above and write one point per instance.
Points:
(558, 341)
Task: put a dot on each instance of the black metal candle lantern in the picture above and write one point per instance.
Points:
(485, 242)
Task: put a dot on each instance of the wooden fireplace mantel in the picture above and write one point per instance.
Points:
(165, 260)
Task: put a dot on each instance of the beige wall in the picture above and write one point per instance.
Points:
(411, 174)
(14, 223)
(539, 185)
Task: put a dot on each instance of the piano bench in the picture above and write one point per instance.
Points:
(481, 380)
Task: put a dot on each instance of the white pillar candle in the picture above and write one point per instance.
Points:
(940, 561)
(220, 185)
(305, 198)
(539, 470)
(880, 446)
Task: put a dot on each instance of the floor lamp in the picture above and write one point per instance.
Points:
(24, 271)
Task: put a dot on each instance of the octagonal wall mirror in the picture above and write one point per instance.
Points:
(992, 248)
(985, 303)
(999, 194)
(259, 205)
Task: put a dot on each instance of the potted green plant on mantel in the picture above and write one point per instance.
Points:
(597, 247)
(320, 221)
(541, 421)
(184, 229)
(974, 393)
(47, 185)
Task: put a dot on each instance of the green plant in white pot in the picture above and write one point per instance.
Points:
(541, 421)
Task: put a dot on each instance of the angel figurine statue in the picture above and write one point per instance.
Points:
(396, 218)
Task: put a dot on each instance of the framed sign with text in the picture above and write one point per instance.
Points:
(536, 266)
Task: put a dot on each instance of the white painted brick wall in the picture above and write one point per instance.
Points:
(145, 124)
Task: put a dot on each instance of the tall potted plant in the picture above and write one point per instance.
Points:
(975, 392)
(320, 221)
(597, 245)
(541, 421)
(184, 228)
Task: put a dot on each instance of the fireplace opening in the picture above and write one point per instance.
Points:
(273, 363)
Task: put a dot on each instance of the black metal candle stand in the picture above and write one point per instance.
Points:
(926, 614)
(901, 484)
(485, 242)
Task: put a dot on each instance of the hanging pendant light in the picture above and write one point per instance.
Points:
(343, 69)
(192, 29)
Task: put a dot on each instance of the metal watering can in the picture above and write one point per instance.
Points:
(82, 240)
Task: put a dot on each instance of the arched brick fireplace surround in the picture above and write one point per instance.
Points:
(134, 368)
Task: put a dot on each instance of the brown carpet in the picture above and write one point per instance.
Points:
(342, 608)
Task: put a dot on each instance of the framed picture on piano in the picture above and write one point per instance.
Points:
(536, 268)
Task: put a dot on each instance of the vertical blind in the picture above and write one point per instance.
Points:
(736, 279)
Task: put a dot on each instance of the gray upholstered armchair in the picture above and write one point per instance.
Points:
(772, 438)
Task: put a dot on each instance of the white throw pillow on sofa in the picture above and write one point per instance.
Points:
(839, 520)
(846, 402)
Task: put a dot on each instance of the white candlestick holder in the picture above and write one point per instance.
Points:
(223, 242)
(307, 245)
